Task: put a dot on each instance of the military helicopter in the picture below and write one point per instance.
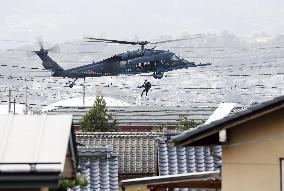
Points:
(139, 61)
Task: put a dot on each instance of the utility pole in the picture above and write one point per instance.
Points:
(26, 101)
(84, 92)
(14, 106)
(9, 103)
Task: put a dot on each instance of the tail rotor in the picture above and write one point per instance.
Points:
(47, 62)
(54, 48)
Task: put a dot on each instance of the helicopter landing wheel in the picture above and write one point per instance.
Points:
(158, 75)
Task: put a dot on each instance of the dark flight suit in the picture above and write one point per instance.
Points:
(147, 87)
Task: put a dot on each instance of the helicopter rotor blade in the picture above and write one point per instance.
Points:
(122, 42)
(29, 54)
(40, 42)
(175, 40)
(90, 39)
(54, 48)
(142, 43)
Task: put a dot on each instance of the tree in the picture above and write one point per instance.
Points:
(184, 124)
(97, 119)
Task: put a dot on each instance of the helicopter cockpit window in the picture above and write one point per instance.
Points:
(175, 58)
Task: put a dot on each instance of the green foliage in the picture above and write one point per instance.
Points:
(67, 183)
(81, 181)
(184, 124)
(98, 119)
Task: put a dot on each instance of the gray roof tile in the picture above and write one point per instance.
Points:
(137, 151)
(179, 160)
(100, 166)
(138, 154)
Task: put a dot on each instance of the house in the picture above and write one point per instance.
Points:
(252, 152)
(36, 151)
(180, 167)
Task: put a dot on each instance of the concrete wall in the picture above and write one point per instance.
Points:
(251, 160)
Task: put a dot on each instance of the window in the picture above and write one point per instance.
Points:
(174, 58)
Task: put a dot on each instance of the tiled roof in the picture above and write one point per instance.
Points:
(142, 115)
(100, 166)
(139, 154)
(137, 151)
(179, 160)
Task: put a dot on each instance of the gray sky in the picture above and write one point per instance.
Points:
(61, 20)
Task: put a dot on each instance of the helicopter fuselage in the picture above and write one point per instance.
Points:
(129, 63)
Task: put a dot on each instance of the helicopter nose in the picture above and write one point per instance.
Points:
(184, 62)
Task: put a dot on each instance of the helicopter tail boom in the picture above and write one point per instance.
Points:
(47, 62)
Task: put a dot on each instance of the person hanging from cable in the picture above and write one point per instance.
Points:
(147, 86)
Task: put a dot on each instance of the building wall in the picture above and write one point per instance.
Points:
(140, 187)
(68, 165)
(251, 160)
